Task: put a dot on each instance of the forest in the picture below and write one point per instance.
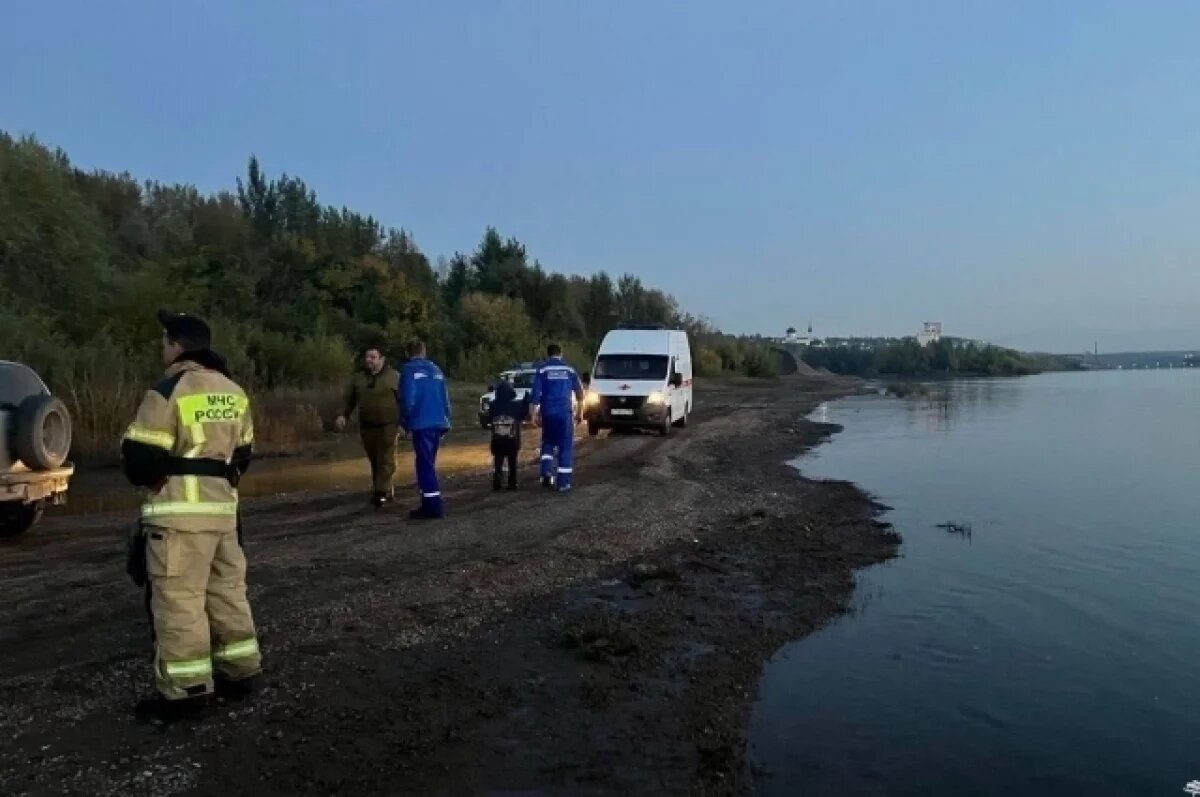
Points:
(292, 288)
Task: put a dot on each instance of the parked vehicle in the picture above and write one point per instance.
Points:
(642, 378)
(521, 378)
(35, 439)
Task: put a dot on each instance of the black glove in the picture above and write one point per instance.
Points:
(135, 558)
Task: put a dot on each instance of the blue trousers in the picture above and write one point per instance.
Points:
(558, 435)
(425, 444)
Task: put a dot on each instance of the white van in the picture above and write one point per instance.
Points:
(642, 378)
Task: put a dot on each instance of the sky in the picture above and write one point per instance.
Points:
(1025, 172)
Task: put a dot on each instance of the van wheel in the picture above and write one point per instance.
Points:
(17, 518)
(593, 429)
(665, 429)
(43, 437)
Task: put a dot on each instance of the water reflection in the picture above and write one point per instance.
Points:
(1051, 654)
(821, 413)
(936, 406)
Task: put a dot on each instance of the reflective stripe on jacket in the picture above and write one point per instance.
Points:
(193, 413)
(555, 384)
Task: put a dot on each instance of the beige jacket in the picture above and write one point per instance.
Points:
(193, 413)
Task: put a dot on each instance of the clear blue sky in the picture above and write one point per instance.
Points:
(1026, 172)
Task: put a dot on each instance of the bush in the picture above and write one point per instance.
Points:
(706, 362)
(494, 331)
(283, 361)
(287, 417)
(760, 364)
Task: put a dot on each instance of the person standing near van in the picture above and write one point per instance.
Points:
(553, 388)
(505, 416)
(375, 392)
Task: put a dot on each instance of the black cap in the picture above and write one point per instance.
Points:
(187, 330)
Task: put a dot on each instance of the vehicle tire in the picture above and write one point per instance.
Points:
(593, 429)
(43, 438)
(17, 518)
(665, 429)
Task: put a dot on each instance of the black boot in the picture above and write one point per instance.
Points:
(235, 690)
(159, 710)
(548, 482)
(495, 481)
(379, 500)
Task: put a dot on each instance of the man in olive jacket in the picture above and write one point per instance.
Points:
(375, 392)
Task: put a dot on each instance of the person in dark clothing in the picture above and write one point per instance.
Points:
(505, 415)
(375, 392)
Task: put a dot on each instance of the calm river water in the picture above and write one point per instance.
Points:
(1052, 649)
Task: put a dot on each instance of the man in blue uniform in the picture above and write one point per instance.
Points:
(425, 414)
(555, 384)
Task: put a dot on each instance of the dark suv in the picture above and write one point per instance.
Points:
(35, 438)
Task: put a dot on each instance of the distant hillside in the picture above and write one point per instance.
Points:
(907, 357)
(1140, 359)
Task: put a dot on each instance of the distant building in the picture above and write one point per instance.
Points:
(931, 332)
(794, 338)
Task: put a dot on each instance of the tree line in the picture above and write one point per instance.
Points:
(293, 288)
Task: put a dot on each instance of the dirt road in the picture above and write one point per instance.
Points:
(605, 643)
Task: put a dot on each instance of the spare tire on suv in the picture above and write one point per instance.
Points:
(43, 432)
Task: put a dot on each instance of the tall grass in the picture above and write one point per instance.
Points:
(287, 420)
(102, 404)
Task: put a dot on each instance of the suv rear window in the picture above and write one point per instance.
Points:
(17, 383)
(520, 379)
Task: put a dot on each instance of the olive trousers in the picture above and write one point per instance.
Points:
(380, 444)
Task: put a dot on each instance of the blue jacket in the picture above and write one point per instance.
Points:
(424, 399)
(553, 386)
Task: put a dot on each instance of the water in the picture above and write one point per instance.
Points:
(1054, 650)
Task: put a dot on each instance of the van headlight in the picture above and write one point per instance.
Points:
(657, 397)
(591, 398)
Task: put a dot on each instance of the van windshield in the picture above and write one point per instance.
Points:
(631, 366)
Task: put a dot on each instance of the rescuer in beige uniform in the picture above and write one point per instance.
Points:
(189, 445)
